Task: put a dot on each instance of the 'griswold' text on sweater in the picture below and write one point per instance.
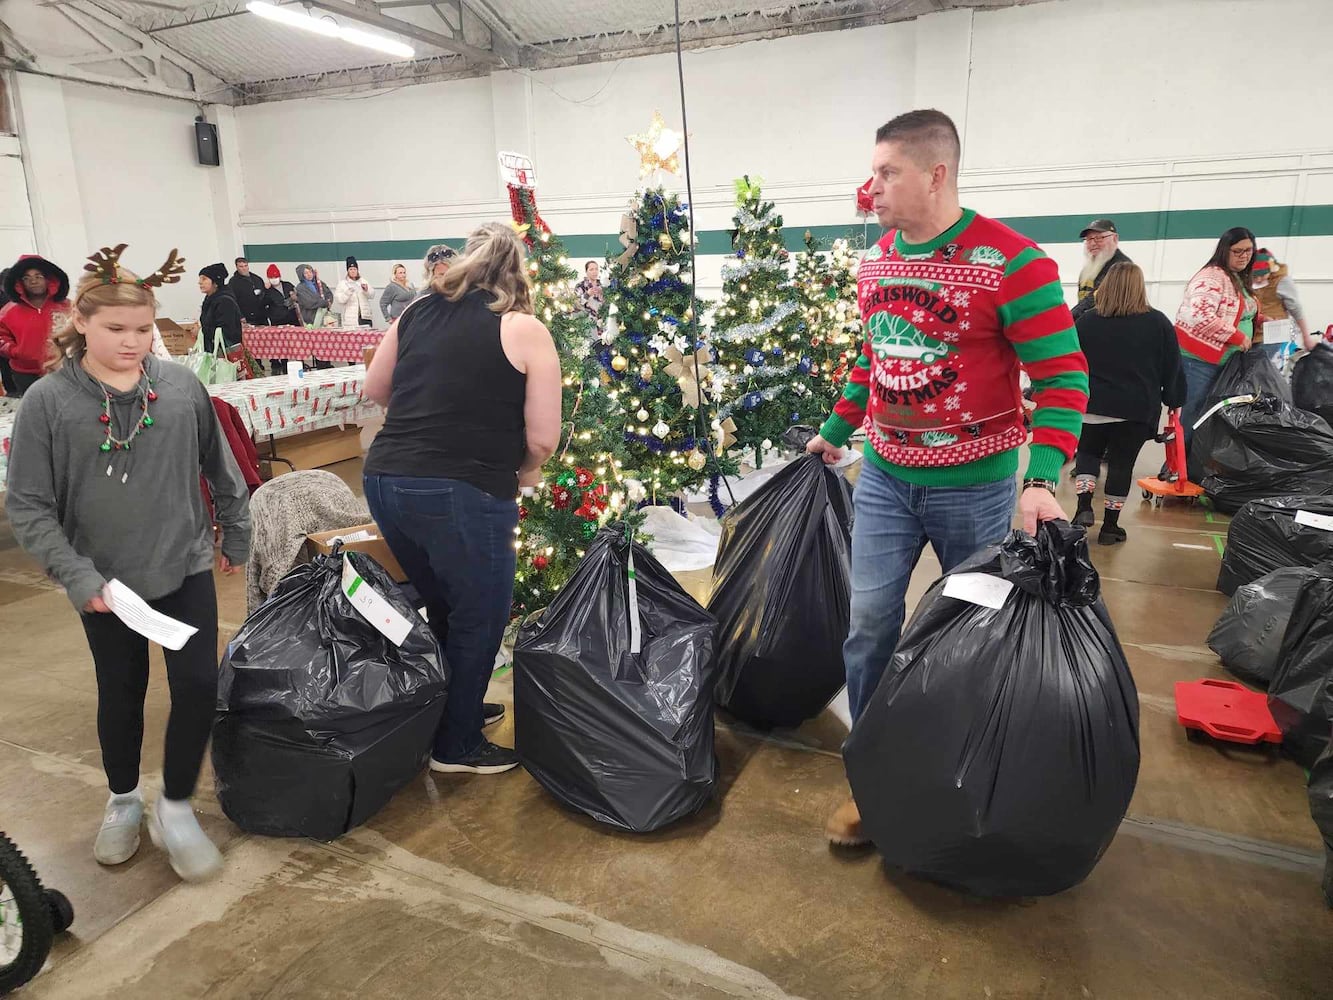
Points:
(947, 324)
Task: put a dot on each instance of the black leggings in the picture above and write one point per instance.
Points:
(121, 659)
(1121, 443)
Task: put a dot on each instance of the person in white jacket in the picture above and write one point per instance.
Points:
(352, 299)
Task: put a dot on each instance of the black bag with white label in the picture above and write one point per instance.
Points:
(613, 691)
(1275, 533)
(1312, 382)
(1000, 751)
(321, 716)
(1301, 694)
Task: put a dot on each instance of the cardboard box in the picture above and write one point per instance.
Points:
(321, 543)
(316, 449)
(177, 338)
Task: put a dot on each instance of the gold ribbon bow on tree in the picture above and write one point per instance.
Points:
(682, 368)
(747, 189)
(629, 239)
(726, 434)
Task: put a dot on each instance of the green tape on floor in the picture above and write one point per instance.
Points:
(500, 672)
(1221, 543)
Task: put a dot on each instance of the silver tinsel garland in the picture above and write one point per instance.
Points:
(732, 272)
(748, 331)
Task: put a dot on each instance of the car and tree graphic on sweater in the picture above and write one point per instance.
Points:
(894, 337)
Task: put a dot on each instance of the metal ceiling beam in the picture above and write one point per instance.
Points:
(365, 12)
(122, 42)
(399, 74)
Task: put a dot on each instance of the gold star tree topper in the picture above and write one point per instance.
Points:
(658, 148)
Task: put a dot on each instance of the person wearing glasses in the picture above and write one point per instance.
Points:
(1101, 252)
(437, 263)
(1216, 319)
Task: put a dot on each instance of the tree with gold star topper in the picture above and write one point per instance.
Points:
(826, 288)
(760, 333)
(658, 148)
(583, 486)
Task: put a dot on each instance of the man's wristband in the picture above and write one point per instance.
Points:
(1040, 484)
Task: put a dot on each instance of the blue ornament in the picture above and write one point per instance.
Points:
(652, 311)
(804, 366)
(755, 357)
(777, 352)
(751, 400)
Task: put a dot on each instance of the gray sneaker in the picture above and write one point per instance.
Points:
(192, 855)
(118, 839)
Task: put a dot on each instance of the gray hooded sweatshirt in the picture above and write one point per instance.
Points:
(151, 530)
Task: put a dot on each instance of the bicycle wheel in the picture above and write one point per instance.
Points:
(25, 919)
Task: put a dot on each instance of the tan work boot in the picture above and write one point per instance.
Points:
(844, 826)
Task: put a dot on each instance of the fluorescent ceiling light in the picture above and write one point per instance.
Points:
(329, 29)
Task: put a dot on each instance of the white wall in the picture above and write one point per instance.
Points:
(1074, 108)
(105, 166)
(16, 235)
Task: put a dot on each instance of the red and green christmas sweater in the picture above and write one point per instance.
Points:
(947, 325)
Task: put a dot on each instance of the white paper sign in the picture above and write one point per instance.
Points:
(356, 536)
(978, 588)
(374, 608)
(1312, 520)
(517, 169)
(154, 626)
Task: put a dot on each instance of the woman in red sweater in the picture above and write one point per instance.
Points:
(37, 290)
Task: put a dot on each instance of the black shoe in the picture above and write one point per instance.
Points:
(1085, 518)
(1111, 535)
(486, 759)
(491, 713)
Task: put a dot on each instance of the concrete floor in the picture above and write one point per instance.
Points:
(483, 887)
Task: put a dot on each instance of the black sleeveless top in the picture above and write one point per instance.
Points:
(456, 411)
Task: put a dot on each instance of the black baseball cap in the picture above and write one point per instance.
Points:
(1099, 226)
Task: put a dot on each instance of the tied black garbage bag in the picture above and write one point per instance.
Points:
(1267, 535)
(623, 735)
(1312, 382)
(1321, 809)
(782, 596)
(1001, 749)
(1268, 448)
(321, 718)
(1248, 636)
(1249, 373)
(1301, 695)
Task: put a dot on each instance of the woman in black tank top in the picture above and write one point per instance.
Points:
(471, 381)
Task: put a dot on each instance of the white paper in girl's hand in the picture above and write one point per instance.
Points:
(154, 626)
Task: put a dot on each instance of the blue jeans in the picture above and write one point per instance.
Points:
(1199, 379)
(456, 544)
(894, 520)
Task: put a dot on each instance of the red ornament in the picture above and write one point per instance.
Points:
(560, 498)
(152, 396)
(523, 513)
(583, 477)
(586, 511)
(865, 205)
(104, 418)
(540, 562)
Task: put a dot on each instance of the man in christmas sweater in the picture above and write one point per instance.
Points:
(952, 303)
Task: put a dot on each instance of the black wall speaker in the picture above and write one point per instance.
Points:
(206, 143)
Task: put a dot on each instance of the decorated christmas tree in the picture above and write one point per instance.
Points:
(759, 335)
(583, 488)
(826, 288)
(651, 357)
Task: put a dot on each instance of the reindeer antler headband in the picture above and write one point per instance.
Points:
(106, 265)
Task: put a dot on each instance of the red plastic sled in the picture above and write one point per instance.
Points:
(1225, 711)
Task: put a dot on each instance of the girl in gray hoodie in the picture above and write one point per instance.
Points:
(104, 469)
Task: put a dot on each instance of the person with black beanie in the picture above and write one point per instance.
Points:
(219, 310)
(1133, 369)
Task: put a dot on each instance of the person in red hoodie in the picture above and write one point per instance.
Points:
(38, 293)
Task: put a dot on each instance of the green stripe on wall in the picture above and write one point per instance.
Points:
(1183, 224)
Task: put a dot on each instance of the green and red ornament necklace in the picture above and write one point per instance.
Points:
(111, 443)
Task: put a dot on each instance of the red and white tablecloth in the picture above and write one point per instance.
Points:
(297, 343)
(274, 407)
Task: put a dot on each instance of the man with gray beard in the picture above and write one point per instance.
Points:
(1101, 249)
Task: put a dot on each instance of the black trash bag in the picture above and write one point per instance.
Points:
(1249, 373)
(1265, 536)
(1000, 751)
(1321, 809)
(321, 718)
(782, 596)
(625, 737)
(1248, 636)
(1268, 448)
(1301, 694)
(1312, 382)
